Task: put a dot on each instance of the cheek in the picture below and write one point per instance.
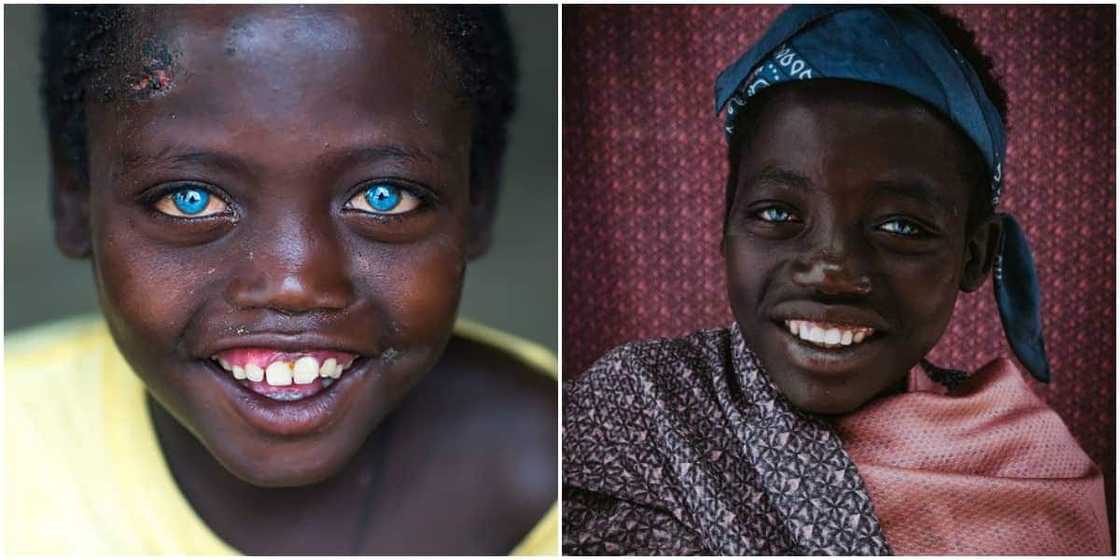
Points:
(926, 291)
(147, 292)
(418, 286)
(748, 268)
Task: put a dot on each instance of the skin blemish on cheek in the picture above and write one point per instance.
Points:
(389, 356)
(419, 116)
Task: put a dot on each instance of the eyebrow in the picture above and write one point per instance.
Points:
(915, 189)
(179, 155)
(775, 175)
(131, 161)
(365, 154)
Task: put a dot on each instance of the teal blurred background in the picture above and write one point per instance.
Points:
(513, 287)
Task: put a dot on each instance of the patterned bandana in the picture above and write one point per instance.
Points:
(900, 47)
(686, 447)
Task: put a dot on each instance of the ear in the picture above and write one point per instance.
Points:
(980, 252)
(69, 207)
(484, 203)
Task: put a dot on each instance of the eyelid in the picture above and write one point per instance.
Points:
(421, 196)
(164, 191)
(756, 209)
(923, 230)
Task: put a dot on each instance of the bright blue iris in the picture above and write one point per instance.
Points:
(191, 201)
(383, 198)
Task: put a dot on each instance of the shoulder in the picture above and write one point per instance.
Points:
(1000, 388)
(657, 364)
(48, 368)
(639, 398)
(54, 413)
(55, 342)
(991, 424)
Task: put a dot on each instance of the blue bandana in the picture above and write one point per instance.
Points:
(901, 48)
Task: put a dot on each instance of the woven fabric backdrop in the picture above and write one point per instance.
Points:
(644, 169)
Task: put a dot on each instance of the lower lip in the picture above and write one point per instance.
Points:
(294, 418)
(839, 361)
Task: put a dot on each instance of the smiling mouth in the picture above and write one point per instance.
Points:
(284, 376)
(829, 336)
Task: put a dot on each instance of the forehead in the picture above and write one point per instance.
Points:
(840, 128)
(307, 70)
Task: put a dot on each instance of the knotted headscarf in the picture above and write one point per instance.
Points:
(902, 48)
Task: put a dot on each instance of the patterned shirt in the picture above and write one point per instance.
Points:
(684, 446)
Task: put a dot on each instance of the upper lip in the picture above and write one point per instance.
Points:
(284, 342)
(836, 314)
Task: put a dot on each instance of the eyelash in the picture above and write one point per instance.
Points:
(420, 199)
(918, 231)
(166, 194)
(785, 216)
(761, 214)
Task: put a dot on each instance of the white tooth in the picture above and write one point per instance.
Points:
(279, 373)
(328, 368)
(338, 370)
(238, 372)
(792, 325)
(832, 336)
(858, 337)
(253, 372)
(846, 339)
(305, 370)
(816, 334)
(225, 364)
(804, 330)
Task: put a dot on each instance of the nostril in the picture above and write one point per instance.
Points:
(833, 277)
(292, 294)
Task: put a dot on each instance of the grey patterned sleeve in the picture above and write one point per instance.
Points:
(615, 498)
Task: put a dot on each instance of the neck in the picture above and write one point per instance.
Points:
(224, 501)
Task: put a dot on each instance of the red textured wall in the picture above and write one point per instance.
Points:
(644, 168)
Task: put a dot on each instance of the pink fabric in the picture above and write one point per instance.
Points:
(989, 469)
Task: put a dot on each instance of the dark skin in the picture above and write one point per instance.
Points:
(850, 209)
(286, 117)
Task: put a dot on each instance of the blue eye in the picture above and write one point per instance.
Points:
(190, 202)
(901, 227)
(384, 198)
(774, 214)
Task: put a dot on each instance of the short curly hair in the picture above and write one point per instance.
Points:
(80, 44)
(960, 37)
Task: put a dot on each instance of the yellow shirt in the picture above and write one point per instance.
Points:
(83, 470)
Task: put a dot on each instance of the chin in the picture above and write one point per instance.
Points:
(815, 399)
(826, 407)
(282, 467)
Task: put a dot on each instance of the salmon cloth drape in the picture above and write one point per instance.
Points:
(989, 470)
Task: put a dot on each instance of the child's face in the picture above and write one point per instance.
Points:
(848, 227)
(296, 186)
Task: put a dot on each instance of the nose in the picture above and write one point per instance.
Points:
(833, 268)
(292, 266)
